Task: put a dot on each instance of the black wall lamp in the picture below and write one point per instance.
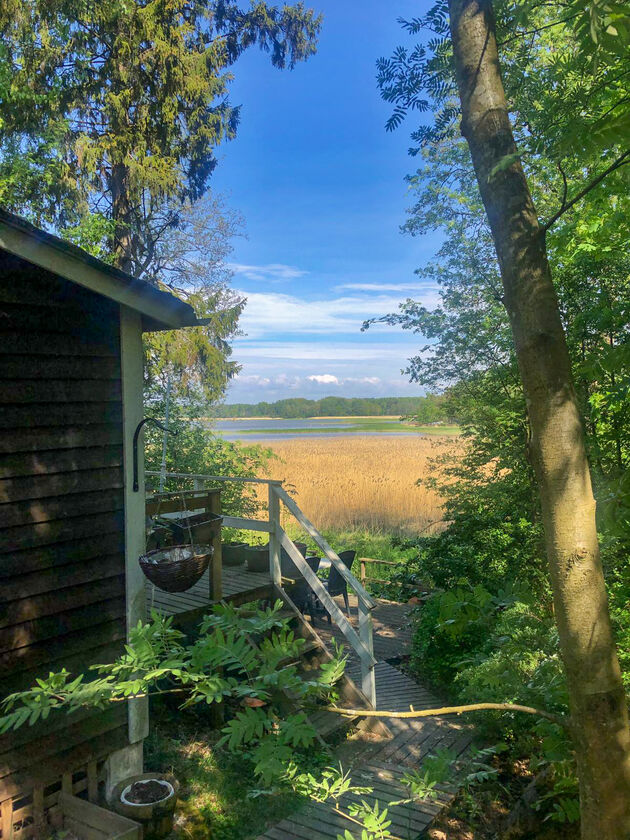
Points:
(136, 435)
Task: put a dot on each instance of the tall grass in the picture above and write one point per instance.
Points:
(362, 483)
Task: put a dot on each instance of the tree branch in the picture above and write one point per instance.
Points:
(621, 160)
(451, 710)
(538, 29)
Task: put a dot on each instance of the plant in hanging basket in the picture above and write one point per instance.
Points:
(176, 568)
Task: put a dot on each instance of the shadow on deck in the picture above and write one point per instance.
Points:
(391, 629)
(238, 587)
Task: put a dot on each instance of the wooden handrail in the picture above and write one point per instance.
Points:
(361, 642)
(312, 531)
(202, 477)
(364, 560)
(381, 562)
(322, 593)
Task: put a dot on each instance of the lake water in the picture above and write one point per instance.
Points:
(264, 429)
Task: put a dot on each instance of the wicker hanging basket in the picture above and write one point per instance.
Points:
(176, 568)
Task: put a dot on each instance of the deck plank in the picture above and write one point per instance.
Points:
(237, 583)
(381, 764)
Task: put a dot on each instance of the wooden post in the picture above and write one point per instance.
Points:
(216, 568)
(275, 570)
(368, 677)
(7, 819)
(39, 819)
(92, 782)
(363, 571)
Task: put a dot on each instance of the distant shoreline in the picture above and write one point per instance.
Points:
(278, 434)
(264, 429)
(315, 417)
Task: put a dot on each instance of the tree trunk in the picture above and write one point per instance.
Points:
(121, 215)
(597, 700)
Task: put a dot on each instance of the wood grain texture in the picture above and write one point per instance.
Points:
(381, 763)
(62, 566)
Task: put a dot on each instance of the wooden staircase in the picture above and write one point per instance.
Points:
(315, 652)
(380, 750)
(376, 636)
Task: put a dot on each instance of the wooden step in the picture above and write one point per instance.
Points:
(380, 764)
(328, 724)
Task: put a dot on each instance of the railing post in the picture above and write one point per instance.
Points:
(363, 571)
(275, 547)
(368, 677)
(215, 572)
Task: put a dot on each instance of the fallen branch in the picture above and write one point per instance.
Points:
(451, 710)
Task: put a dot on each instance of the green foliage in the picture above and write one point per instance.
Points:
(564, 67)
(126, 100)
(110, 115)
(429, 409)
(450, 627)
(502, 648)
(373, 818)
(189, 258)
(331, 783)
(223, 662)
(215, 784)
(195, 449)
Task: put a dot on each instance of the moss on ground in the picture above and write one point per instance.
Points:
(215, 785)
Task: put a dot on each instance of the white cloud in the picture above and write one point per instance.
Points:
(287, 381)
(272, 313)
(363, 380)
(254, 379)
(272, 272)
(324, 379)
(361, 350)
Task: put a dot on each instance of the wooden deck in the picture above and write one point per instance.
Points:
(391, 629)
(376, 763)
(239, 586)
(380, 764)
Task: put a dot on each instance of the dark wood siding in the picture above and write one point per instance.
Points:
(62, 584)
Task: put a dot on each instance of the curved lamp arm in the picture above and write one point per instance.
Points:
(136, 435)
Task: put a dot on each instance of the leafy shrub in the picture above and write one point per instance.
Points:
(451, 626)
(485, 550)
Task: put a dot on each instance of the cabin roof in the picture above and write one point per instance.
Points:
(160, 310)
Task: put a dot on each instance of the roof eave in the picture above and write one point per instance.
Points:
(160, 310)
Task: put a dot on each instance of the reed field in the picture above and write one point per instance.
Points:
(362, 483)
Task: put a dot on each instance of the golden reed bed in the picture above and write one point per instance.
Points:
(361, 482)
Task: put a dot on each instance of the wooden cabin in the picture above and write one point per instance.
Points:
(72, 522)
(71, 525)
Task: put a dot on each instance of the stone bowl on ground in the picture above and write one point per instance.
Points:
(150, 799)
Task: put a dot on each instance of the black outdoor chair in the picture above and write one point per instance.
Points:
(301, 593)
(288, 569)
(336, 584)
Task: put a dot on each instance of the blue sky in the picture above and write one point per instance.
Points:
(321, 186)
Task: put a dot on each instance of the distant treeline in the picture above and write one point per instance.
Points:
(429, 409)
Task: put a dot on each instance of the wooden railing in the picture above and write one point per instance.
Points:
(363, 561)
(362, 641)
